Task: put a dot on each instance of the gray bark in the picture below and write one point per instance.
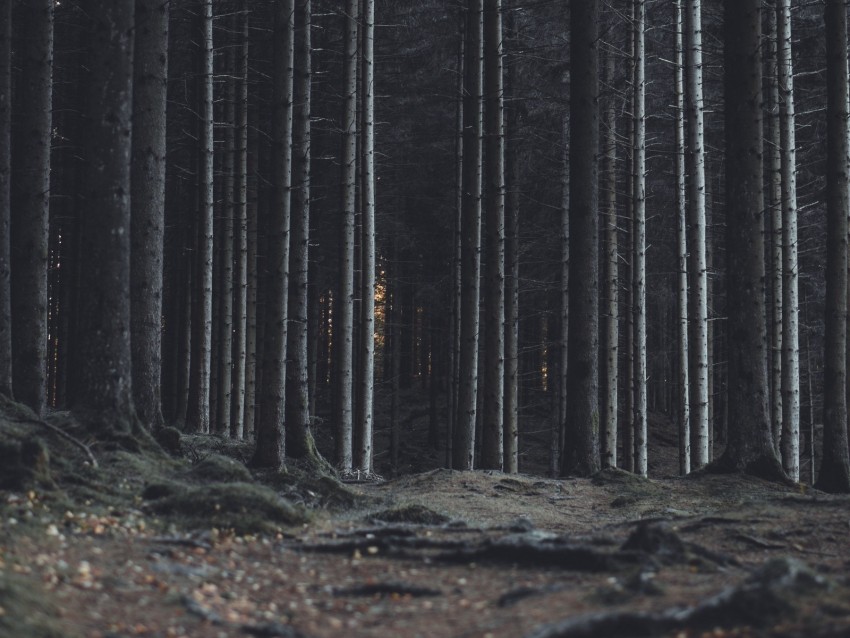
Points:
(5, 209)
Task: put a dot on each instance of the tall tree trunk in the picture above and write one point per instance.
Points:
(147, 229)
(240, 237)
(581, 450)
(750, 443)
(198, 419)
(639, 241)
(610, 333)
(343, 334)
(492, 450)
(30, 191)
(698, 271)
(271, 442)
(103, 328)
(300, 441)
(835, 466)
(684, 408)
(366, 372)
(252, 361)
(5, 184)
(790, 290)
(774, 188)
(558, 426)
(463, 447)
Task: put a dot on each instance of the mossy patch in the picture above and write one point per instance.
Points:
(27, 611)
(220, 469)
(313, 491)
(243, 507)
(413, 513)
(24, 463)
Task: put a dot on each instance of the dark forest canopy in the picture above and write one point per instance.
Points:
(293, 221)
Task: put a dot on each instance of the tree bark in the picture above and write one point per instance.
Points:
(581, 450)
(30, 191)
(271, 441)
(750, 443)
(834, 473)
(147, 200)
(343, 332)
(463, 448)
(103, 328)
(790, 290)
(492, 449)
(5, 185)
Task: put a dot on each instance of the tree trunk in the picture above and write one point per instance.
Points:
(463, 448)
(684, 408)
(147, 228)
(750, 443)
(559, 423)
(581, 450)
(30, 191)
(103, 328)
(240, 237)
(366, 376)
(5, 183)
(492, 451)
(610, 333)
(698, 271)
(790, 290)
(639, 241)
(198, 419)
(834, 473)
(299, 439)
(252, 361)
(343, 334)
(271, 442)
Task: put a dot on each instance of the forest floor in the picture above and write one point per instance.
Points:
(146, 545)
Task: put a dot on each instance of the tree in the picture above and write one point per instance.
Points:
(147, 197)
(271, 442)
(492, 449)
(198, 418)
(366, 372)
(30, 191)
(834, 473)
(5, 210)
(750, 445)
(581, 450)
(698, 271)
(103, 326)
(639, 240)
(790, 269)
(299, 441)
(463, 447)
(684, 408)
(343, 330)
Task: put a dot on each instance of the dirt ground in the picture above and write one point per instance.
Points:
(439, 553)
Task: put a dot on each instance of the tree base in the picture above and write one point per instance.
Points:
(765, 466)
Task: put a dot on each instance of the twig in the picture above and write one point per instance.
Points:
(74, 441)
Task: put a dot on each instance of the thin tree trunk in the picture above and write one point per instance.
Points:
(198, 419)
(639, 242)
(5, 184)
(492, 451)
(834, 473)
(366, 376)
(147, 230)
(300, 442)
(790, 290)
(463, 448)
(271, 441)
(344, 299)
(581, 449)
(254, 316)
(684, 408)
(30, 191)
(610, 332)
(698, 271)
(559, 424)
(240, 238)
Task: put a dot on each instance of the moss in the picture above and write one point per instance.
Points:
(169, 439)
(414, 513)
(220, 469)
(27, 611)
(314, 491)
(24, 463)
(242, 507)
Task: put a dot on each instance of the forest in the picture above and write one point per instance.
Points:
(273, 268)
